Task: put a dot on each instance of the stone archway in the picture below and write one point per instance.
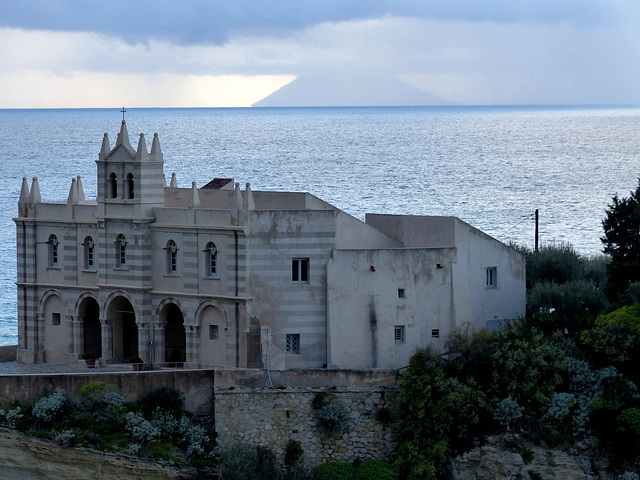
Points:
(175, 335)
(89, 311)
(125, 329)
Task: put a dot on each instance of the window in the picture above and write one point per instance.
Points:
(492, 277)
(435, 333)
(55, 319)
(211, 260)
(401, 293)
(89, 255)
(129, 186)
(398, 333)
(121, 251)
(112, 186)
(293, 343)
(213, 332)
(300, 270)
(53, 251)
(172, 257)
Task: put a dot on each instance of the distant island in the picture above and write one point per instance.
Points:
(349, 90)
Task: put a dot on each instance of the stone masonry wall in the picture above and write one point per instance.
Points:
(271, 417)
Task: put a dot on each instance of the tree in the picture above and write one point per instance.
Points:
(622, 241)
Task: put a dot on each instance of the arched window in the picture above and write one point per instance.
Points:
(112, 186)
(172, 257)
(121, 251)
(129, 186)
(211, 260)
(53, 251)
(89, 254)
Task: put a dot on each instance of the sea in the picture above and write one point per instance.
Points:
(491, 166)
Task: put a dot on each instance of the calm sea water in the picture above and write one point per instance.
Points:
(490, 166)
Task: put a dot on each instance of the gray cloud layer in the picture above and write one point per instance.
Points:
(213, 22)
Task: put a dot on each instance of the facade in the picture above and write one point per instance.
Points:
(224, 277)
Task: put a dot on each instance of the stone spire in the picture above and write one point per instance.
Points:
(24, 198)
(34, 196)
(238, 197)
(174, 181)
(194, 199)
(142, 153)
(73, 192)
(156, 152)
(248, 198)
(123, 136)
(106, 148)
(80, 189)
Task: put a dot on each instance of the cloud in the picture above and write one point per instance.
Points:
(217, 21)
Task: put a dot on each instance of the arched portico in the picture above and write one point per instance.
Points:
(120, 313)
(175, 339)
(87, 327)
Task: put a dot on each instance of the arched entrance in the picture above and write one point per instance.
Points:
(125, 330)
(92, 331)
(175, 336)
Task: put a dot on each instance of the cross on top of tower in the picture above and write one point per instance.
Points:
(123, 111)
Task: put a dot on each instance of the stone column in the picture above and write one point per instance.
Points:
(143, 342)
(78, 334)
(159, 336)
(38, 344)
(193, 344)
(107, 339)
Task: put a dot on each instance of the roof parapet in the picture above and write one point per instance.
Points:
(174, 181)
(80, 189)
(156, 152)
(194, 199)
(34, 196)
(24, 198)
(248, 198)
(73, 192)
(106, 148)
(142, 153)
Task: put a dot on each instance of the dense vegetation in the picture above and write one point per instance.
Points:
(564, 376)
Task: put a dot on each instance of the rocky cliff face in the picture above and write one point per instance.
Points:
(26, 458)
(493, 462)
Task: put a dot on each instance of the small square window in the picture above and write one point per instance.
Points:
(491, 277)
(293, 343)
(401, 293)
(213, 332)
(398, 333)
(55, 319)
(300, 270)
(435, 333)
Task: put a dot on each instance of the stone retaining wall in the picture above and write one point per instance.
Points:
(272, 417)
(8, 353)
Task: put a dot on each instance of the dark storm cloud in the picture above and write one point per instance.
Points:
(205, 22)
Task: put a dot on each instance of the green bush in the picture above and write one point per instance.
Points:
(96, 389)
(333, 471)
(168, 399)
(293, 452)
(375, 470)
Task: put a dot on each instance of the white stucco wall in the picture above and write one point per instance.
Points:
(364, 304)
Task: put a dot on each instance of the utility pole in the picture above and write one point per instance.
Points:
(536, 234)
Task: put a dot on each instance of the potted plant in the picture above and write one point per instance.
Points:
(89, 359)
(137, 362)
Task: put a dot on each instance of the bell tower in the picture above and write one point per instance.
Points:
(130, 182)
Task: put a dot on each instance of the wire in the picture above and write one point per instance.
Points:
(524, 219)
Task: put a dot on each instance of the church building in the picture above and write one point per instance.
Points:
(220, 276)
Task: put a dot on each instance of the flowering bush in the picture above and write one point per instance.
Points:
(140, 429)
(49, 407)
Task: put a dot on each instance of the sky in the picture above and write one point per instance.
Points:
(196, 53)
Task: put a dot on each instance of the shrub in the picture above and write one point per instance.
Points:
(12, 417)
(140, 429)
(48, 408)
(241, 462)
(507, 411)
(375, 470)
(293, 452)
(333, 471)
(169, 399)
(96, 389)
(333, 417)
(65, 438)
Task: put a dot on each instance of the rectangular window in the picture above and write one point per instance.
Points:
(401, 293)
(122, 256)
(435, 333)
(90, 258)
(300, 270)
(55, 319)
(293, 343)
(492, 277)
(212, 269)
(398, 333)
(213, 332)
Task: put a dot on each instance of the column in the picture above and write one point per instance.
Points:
(107, 339)
(193, 344)
(78, 334)
(38, 337)
(159, 337)
(143, 342)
